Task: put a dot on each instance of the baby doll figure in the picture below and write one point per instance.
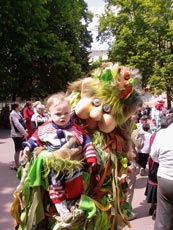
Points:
(53, 135)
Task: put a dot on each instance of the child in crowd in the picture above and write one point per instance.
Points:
(52, 135)
(143, 153)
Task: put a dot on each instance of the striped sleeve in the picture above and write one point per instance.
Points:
(88, 150)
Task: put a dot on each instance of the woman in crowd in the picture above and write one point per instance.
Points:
(27, 114)
(39, 117)
(18, 132)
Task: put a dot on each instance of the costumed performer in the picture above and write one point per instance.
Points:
(102, 105)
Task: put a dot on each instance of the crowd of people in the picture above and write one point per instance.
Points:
(156, 156)
(24, 121)
(152, 146)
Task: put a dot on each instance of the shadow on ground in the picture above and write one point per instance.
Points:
(8, 180)
(8, 183)
(141, 182)
(4, 133)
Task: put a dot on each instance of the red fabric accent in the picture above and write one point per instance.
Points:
(100, 183)
(159, 106)
(151, 182)
(79, 128)
(91, 160)
(152, 139)
(72, 190)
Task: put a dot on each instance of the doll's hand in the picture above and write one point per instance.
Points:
(25, 155)
(26, 151)
(75, 153)
(72, 153)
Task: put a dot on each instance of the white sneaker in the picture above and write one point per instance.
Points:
(142, 171)
(63, 211)
(67, 217)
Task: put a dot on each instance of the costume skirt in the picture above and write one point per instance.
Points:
(151, 193)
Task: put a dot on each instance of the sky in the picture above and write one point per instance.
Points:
(96, 7)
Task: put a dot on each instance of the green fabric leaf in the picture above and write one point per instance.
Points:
(106, 76)
(87, 204)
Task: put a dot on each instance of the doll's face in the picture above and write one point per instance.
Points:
(59, 113)
(96, 114)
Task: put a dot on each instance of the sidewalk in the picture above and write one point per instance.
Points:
(8, 182)
(141, 207)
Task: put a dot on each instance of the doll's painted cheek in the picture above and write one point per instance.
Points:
(83, 108)
(96, 113)
(107, 124)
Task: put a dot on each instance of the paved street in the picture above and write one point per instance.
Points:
(141, 207)
(8, 182)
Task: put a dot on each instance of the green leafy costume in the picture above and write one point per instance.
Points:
(104, 197)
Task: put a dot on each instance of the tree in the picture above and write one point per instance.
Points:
(18, 39)
(44, 44)
(142, 32)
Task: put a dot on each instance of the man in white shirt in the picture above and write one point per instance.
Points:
(162, 152)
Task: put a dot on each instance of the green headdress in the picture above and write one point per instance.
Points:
(117, 88)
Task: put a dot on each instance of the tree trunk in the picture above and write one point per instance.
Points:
(168, 98)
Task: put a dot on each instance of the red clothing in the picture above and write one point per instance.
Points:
(52, 137)
(27, 114)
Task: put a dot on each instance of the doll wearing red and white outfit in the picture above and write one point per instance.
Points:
(53, 135)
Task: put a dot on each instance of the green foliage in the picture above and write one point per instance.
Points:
(44, 45)
(59, 165)
(142, 35)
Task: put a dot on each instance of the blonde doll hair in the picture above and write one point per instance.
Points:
(56, 99)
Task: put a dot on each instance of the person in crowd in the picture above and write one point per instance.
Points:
(142, 120)
(153, 125)
(18, 132)
(137, 142)
(147, 111)
(162, 152)
(170, 111)
(34, 105)
(134, 119)
(53, 135)
(158, 110)
(39, 117)
(151, 188)
(139, 114)
(143, 153)
(27, 114)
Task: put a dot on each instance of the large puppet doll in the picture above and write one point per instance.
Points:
(102, 105)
